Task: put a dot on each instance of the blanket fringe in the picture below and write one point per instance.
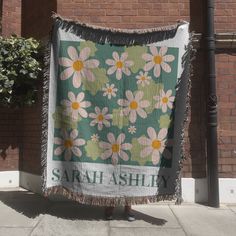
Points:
(106, 201)
(116, 36)
(187, 64)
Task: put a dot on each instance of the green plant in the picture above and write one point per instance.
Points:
(20, 70)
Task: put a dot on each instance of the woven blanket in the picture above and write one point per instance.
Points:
(114, 113)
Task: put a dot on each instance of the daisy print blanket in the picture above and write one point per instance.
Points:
(114, 112)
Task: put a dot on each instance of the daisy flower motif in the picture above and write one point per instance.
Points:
(76, 105)
(115, 148)
(155, 145)
(78, 66)
(165, 100)
(95, 138)
(119, 64)
(109, 91)
(158, 60)
(134, 105)
(69, 143)
(100, 117)
(143, 78)
(132, 129)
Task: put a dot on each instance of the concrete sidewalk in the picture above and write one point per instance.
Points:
(24, 213)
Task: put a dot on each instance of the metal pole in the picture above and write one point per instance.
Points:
(212, 149)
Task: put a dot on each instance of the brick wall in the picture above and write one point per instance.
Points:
(10, 131)
(142, 14)
(11, 17)
(226, 91)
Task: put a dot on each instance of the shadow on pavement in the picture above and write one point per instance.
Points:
(32, 205)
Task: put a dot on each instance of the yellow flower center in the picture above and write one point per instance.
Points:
(68, 143)
(115, 147)
(78, 65)
(109, 90)
(156, 144)
(143, 78)
(157, 59)
(119, 64)
(133, 105)
(165, 100)
(100, 117)
(75, 105)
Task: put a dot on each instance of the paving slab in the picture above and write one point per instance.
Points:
(10, 217)
(147, 216)
(52, 225)
(205, 221)
(233, 208)
(9, 231)
(146, 232)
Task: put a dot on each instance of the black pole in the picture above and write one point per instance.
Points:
(212, 150)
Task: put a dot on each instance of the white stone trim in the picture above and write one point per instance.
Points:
(31, 182)
(9, 179)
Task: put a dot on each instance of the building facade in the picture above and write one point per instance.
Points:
(21, 129)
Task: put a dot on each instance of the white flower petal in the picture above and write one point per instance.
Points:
(118, 73)
(144, 141)
(146, 151)
(104, 110)
(74, 133)
(114, 158)
(155, 157)
(85, 104)
(106, 154)
(148, 66)
(67, 155)
(104, 145)
(73, 54)
(110, 62)
(124, 56)
(71, 96)
(121, 138)
(66, 74)
(132, 116)
(163, 51)
(76, 80)
(147, 57)
(126, 146)
(151, 133)
(58, 141)
(76, 151)
(157, 70)
(89, 75)
(84, 53)
(162, 134)
(59, 150)
(111, 138)
(153, 50)
(93, 63)
(166, 67)
(129, 95)
(63, 61)
(142, 113)
(80, 97)
(83, 113)
(79, 142)
(164, 108)
(124, 156)
(116, 56)
(168, 58)
(111, 70)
